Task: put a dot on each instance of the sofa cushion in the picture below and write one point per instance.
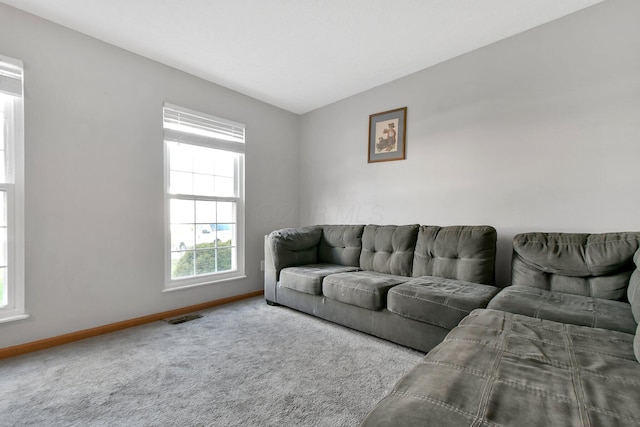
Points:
(388, 248)
(633, 294)
(595, 265)
(340, 244)
(440, 302)
(565, 308)
(502, 369)
(633, 291)
(308, 278)
(366, 289)
(456, 252)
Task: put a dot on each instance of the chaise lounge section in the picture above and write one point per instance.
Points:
(409, 284)
(539, 355)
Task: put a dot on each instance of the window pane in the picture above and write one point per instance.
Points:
(226, 212)
(3, 286)
(203, 185)
(225, 259)
(226, 163)
(201, 171)
(205, 261)
(182, 211)
(182, 237)
(3, 247)
(3, 148)
(204, 160)
(225, 234)
(180, 157)
(205, 212)
(3, 208)
(225, 187)
(182, 265)
(2, 128)
(180, 183)
(4, 243)
(205, 236)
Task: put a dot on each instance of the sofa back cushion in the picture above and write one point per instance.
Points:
(595, 265)
(459, 252)
(388, 248)
(294, 246)
(340, 244)
(633, 294)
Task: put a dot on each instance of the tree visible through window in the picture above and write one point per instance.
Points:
(204, 191)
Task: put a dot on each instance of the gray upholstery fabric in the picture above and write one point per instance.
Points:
(633, 291)
(380, 323)
(596, 265)
(388, 248)
(308, 278)
(340, 244)
(636, 343)
(440, 302)
(633, 294)
(366, 289)
(501, 369)
(566, 308)
(457, 252)
(294, 246)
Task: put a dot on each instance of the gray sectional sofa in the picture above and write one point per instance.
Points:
(560, 347)
(409, 284)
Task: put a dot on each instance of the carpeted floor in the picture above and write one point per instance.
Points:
(243, 364)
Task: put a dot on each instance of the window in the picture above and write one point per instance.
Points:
(204, 193)
(11, 191)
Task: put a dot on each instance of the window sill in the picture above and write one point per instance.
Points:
(13, 318)
(180, 287)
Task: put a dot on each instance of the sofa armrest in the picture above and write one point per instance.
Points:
(291, 247)
(288, 247)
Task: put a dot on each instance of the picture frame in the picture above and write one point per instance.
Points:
(387, 135)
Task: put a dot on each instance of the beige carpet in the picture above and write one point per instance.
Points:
(243, 364)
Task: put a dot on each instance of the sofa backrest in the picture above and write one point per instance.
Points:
(340, 244)
(595, 265)
(457, 252)
(633, 294)
(388, 248)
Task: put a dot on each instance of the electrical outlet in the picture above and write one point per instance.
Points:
(262, 265)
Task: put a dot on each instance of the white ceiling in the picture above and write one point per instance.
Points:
(300, 54)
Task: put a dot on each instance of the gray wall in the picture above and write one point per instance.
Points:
(540, 131)
(94, 178)
(537, 132)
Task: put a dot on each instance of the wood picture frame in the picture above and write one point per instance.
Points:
(387, 135)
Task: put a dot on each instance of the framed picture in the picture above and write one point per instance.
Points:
(387, 135)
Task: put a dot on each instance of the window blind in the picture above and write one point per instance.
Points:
(10, 76)
(182, 125)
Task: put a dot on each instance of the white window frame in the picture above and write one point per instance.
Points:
(11, 93)
(173, 135)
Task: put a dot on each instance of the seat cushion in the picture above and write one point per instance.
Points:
(440, 302)
(308, 278)
(566, 308)
(366, 289)
(502, 369)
